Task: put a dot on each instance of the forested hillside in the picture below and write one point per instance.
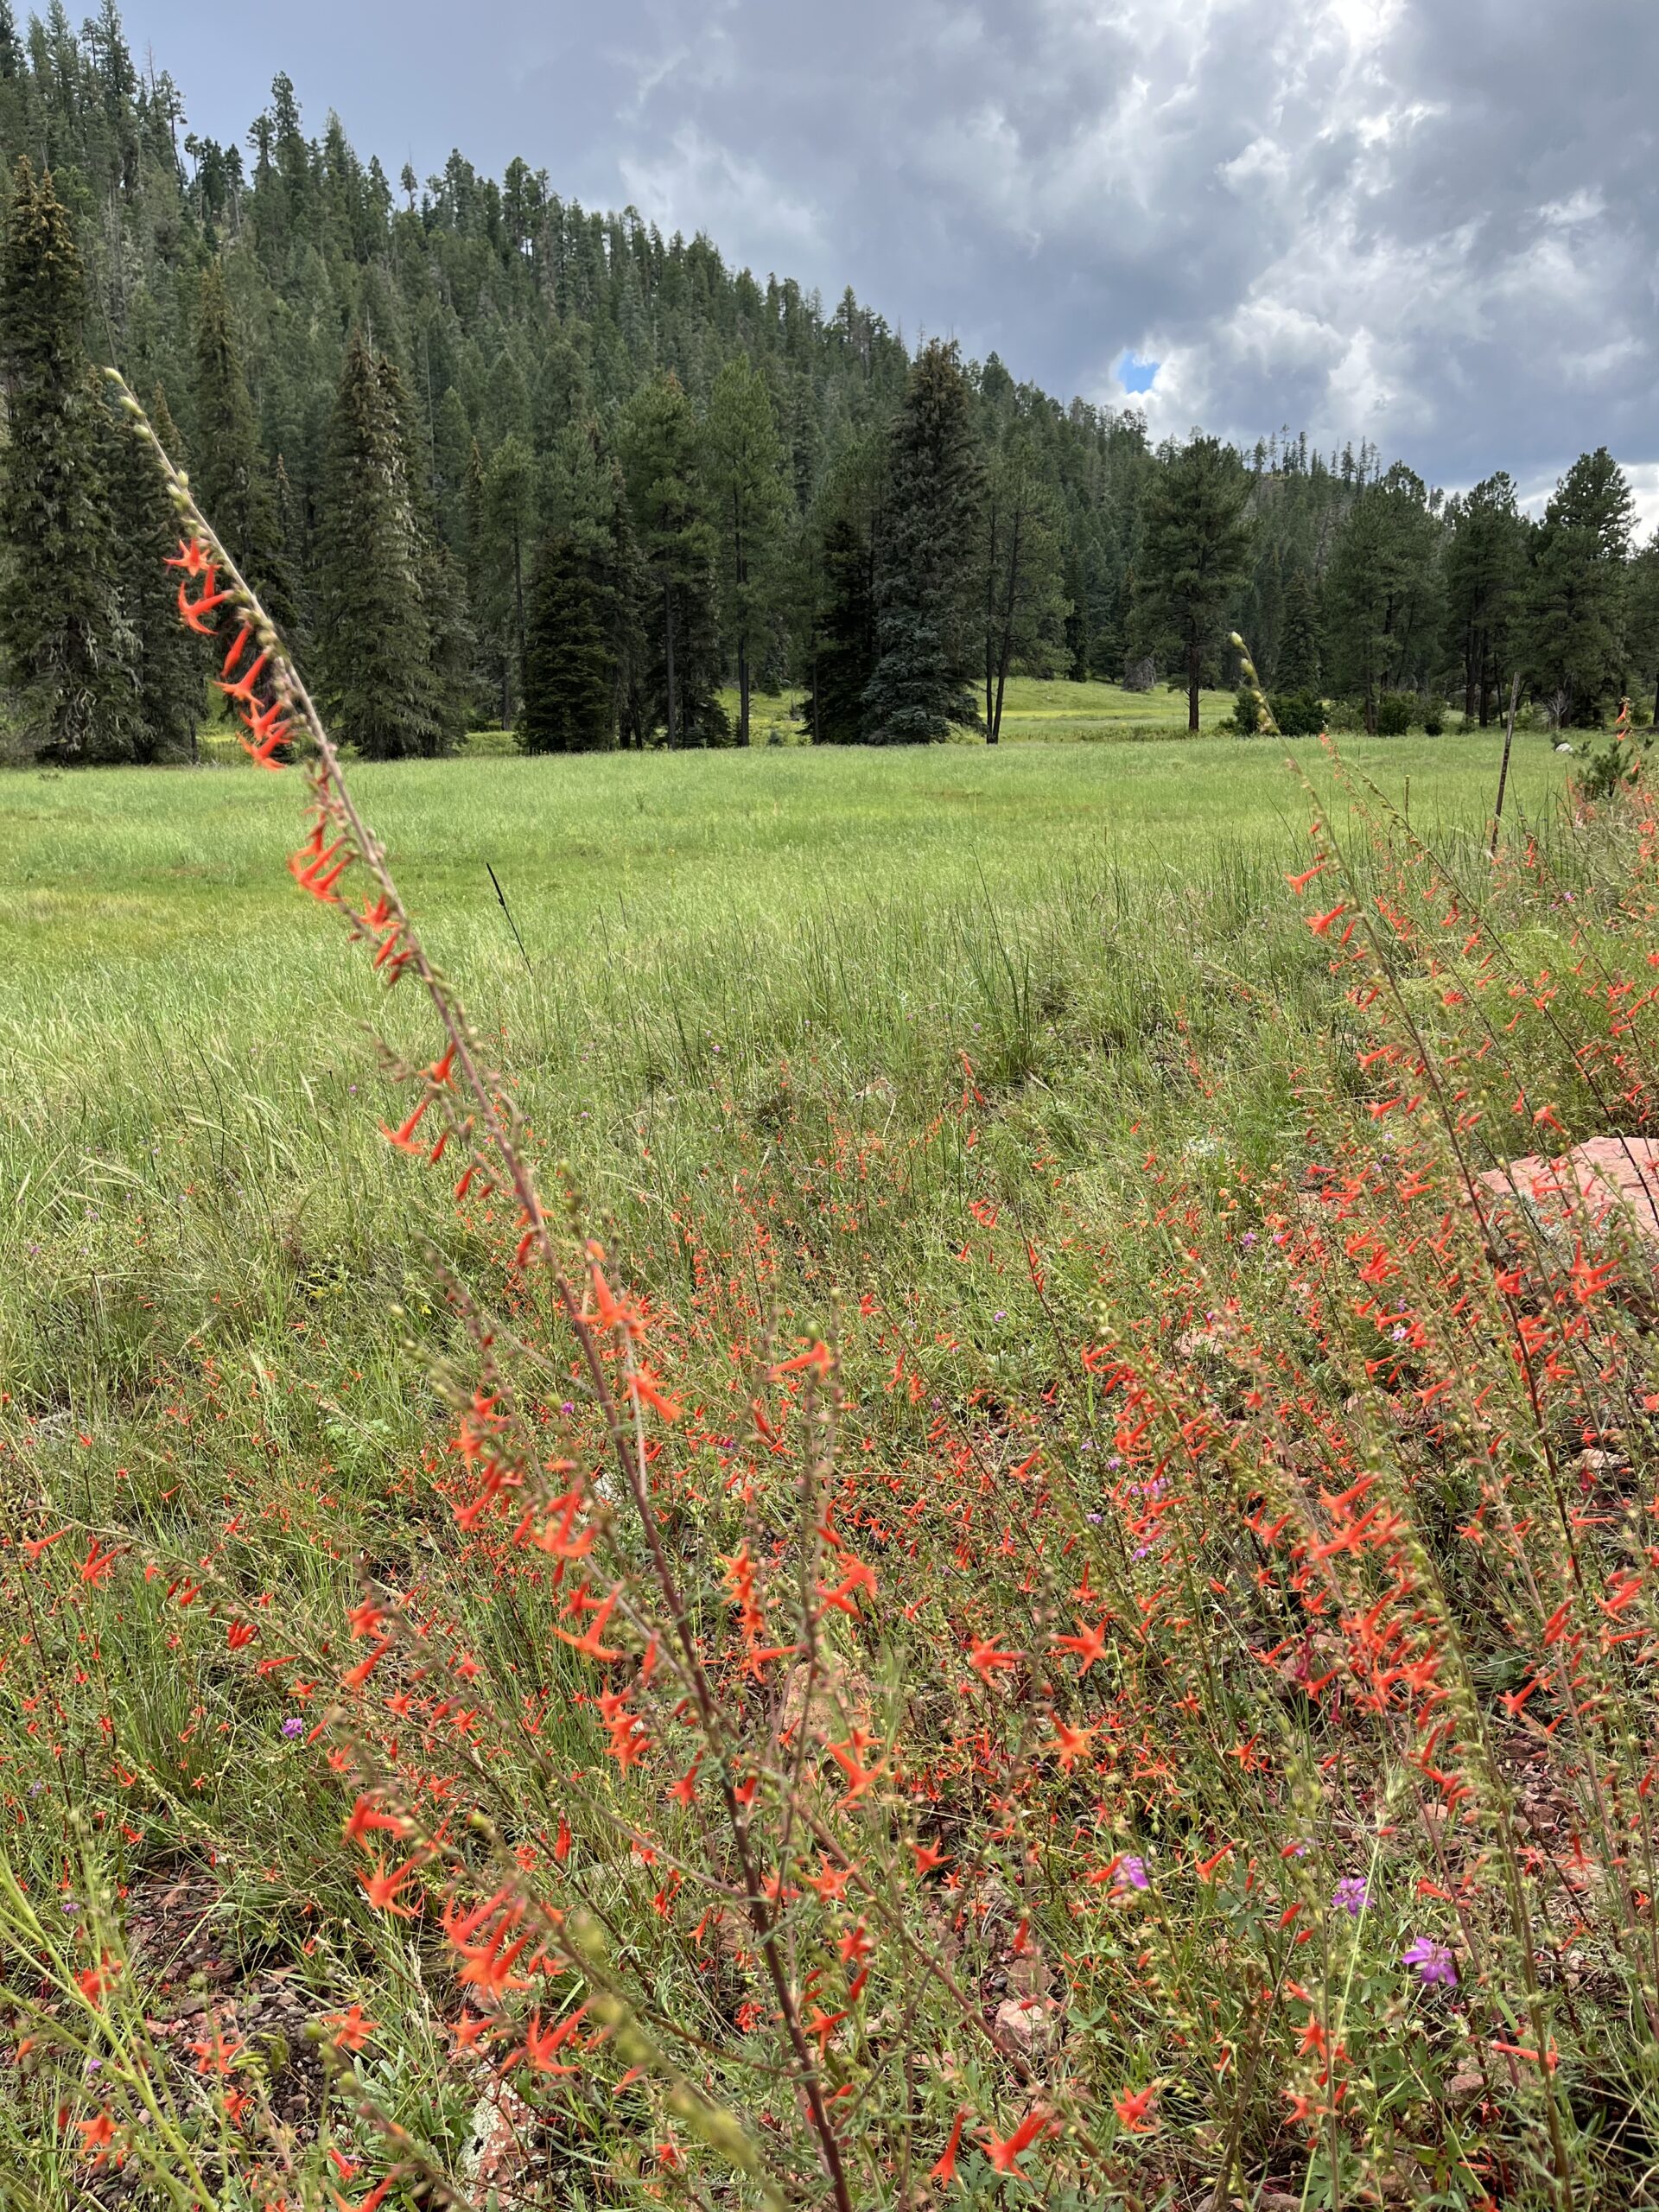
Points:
(493, 457)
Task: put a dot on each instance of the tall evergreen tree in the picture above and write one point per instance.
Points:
(1484, 558)
(569, 673)
(750, 502)
(374, 641)
(668, 495)
(927, 612)
(1576, 595)
(1381, 598)
(585, 498)
(166, 662)
(444, 597)
(233, 482)
(503, 549)
(1298, 666)
(1642, 621)
(1194, 556)
(68, 646)
(841, 557)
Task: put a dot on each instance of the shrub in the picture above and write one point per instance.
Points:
(1394, 714)
(1433, 720)
(1298, 713)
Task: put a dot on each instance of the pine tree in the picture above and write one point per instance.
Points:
(1576, 595)
(167, 662)
(1641, 620)
(443, 596)
(1298, 668)
(1194, 555)
(374, 642)
(585, 498)
(926, 603)
(745, 460)
(67, 645)
(452, 443)
(503, 542)
(569, 673)
(1381, 592)
(1483, 569)
(838, 597)
(667, 494)
(233, 482)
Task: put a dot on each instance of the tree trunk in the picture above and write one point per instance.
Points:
(518, 591)
(1194, 665)
(990, 619)
(1005, 653)
(1471, 659)
(1001, 682)
(742, 570)
(668, 665)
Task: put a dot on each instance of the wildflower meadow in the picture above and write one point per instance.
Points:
(880, 1491)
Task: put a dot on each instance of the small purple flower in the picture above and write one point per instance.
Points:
(1430, 1961)
(69, 1905)
(293, 1727)
(1131, 1874)
(1351, 1894)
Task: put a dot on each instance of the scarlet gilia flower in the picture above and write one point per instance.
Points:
(1004, 2154)
(944, 2169)
(351, 2029)
(191, 557)
(1132, 2108)
(193, 612)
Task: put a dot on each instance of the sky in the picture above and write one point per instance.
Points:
(1432, 224)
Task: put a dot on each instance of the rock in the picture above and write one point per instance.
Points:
(1024, 2023)
(498, 2155)
(1606, 1183)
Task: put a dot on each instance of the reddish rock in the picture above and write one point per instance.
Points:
(1599, 1185)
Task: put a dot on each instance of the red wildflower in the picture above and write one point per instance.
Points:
(352, 2029)
(1088, 1644)
(1132, 2108)
(944, 2170)
(1005, 2155)
(384, 1885)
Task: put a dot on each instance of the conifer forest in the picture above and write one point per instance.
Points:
(593, 476)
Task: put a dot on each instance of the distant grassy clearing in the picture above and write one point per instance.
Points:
(1032, 706)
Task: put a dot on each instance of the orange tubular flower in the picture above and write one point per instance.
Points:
(944, 2170)
(243, 689)
(191, 611)
(382, 1886)
(191, 557)
(1005, 2155)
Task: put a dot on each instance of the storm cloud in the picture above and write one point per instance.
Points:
(1431, 224)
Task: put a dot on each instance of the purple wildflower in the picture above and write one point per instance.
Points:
(1430, 1961)
(293, 1727)
(1132, 1874)
(1351, 1894)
